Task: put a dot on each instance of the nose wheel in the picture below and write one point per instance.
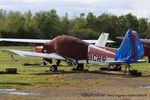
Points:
(53, 68)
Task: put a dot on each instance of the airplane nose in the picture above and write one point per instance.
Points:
(38, 49)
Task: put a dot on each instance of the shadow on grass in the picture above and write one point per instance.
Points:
(84, 71)
(29, 64)
(120, 73)
(11, 83)
(9, 73)
(39, 65)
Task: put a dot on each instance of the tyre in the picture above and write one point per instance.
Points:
(53, 68)
(80, 66)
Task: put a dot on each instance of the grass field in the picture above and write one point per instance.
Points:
(66, 84)
(28, 76)
(36, 75)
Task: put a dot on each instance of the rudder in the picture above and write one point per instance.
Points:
(131, 48)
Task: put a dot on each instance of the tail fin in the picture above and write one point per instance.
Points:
(131, 48)
(102, 40)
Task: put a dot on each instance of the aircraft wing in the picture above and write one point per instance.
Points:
(55, 56)
(42, 41)
(24, 40)
(145, 42)
(33, 54)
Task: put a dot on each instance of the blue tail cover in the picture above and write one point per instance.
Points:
(126, 52)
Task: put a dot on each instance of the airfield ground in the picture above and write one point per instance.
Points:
(90, 84)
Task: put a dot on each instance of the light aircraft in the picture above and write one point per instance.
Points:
(76, 51)
(102, 40)
(146, 44)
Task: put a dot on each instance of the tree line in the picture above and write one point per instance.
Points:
(47, 25)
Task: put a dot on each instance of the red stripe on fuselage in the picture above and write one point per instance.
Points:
(135, 44)
(101, 53)
(109, 49)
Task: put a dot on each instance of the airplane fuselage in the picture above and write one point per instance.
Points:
(74, 48)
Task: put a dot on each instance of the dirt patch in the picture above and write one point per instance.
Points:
(90, 85)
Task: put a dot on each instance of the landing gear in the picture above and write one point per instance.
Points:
(43, 63)
(115, 67)
(58, 62)
(53, 68)
(80, 66)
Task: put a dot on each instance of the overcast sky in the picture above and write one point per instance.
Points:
(140, 8)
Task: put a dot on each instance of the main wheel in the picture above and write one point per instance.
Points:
(80, 66)
(53, 68)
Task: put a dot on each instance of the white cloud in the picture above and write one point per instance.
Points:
(142, 8)
(119, 11)
(4, 6)
(139, 8)
(81, 1)
(36, 1)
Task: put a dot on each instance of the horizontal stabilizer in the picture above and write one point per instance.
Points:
(124, 62)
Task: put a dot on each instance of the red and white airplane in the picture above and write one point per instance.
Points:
(102, 40)
(76, 51)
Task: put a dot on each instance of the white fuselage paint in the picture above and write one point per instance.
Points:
(97, 59)
(98, 55)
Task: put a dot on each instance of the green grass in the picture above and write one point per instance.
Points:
(30, 76)
(27, 75)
